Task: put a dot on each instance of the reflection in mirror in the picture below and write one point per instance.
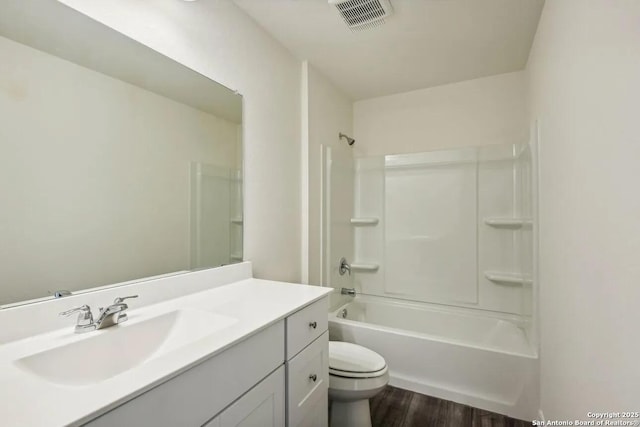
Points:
(117, 164)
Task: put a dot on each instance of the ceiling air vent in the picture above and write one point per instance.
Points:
(363, 14)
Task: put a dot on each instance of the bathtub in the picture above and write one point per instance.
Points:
(482, 360)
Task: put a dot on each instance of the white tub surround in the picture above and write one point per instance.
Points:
(452, 227)
(448, 352)
(238, 311)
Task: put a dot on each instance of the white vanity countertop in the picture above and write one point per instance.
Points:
(29, 400)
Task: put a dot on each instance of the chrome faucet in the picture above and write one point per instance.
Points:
(61, 293)
(348, 291)
(344, 267)
(113, 314)
(109, 316)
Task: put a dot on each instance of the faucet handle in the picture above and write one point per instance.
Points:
(344, 267)
(120, 299)
(85, 318)
(83, 309)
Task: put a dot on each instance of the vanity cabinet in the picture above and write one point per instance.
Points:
(308, 366)
(274, 378)
(195, 396)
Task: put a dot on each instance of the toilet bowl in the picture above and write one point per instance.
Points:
(356, 374)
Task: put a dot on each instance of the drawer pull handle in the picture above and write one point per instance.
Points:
(313, 325)
(313, 377)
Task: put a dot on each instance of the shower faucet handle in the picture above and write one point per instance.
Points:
(344, 267)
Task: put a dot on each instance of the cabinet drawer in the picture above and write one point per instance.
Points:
(308, 384)
(306, 325)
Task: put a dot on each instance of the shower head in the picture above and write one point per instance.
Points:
(350, 140)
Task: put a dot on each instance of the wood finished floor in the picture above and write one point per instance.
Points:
(395, 407)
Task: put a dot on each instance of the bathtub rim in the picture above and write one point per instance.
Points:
(333, 317)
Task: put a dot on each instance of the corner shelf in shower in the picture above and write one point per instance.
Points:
(507, 278)
(364, 221)
(507, 222)
(364, 267)
(237, 220)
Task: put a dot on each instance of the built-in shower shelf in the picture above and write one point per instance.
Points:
(236, 257)
(364, 221)
(364, 267)
(237, 220)
(507, 222)
(507, 278)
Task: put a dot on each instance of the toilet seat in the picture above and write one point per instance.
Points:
(349, 360)
(347, 374)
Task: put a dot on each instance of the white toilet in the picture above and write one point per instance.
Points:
(356, 374)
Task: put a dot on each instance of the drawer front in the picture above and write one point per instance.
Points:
(306, 325)
(308, 384)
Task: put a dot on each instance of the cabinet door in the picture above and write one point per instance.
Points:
(262, 406)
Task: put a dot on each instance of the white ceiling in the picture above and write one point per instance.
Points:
(424, 43)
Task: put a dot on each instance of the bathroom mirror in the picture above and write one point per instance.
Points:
(117, 163)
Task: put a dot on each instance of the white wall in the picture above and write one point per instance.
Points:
(220, 41)
(329, 112)
(584, 87)
(82, 155)
(484, 111)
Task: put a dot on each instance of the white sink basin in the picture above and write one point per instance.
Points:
(111, 351)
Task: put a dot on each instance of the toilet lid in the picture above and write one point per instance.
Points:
(352, 358)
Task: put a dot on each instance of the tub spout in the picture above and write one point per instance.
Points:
(348, 291)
